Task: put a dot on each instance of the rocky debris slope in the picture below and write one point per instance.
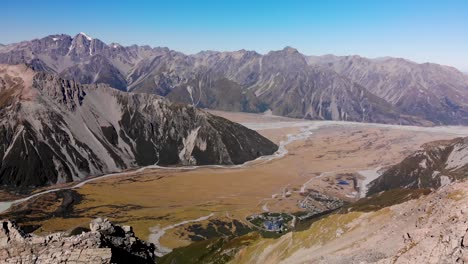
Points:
(55, 130)
(436, 164)
(104, 243)
(431, 229)
(285, 81)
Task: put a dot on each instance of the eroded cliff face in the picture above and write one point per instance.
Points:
(104, 242)
(55, 130)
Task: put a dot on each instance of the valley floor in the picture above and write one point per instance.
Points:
(172, 207)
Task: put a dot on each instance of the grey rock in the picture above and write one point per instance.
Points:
(102, 225)
(105, 243)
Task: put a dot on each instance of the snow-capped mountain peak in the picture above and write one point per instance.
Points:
(86, 36)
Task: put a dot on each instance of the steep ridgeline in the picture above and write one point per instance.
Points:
(54, 130)
(285, 81)
(434, 92)
(81, 58)
(436, 164)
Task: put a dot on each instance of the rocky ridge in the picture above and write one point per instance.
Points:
(56, 130)
(103, 243)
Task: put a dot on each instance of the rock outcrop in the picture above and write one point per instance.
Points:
(104, 243)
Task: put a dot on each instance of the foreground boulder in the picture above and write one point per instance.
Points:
(104, 243)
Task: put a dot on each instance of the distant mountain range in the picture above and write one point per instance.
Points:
(55, 130)
(385, 90)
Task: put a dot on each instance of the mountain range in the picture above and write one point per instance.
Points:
(352, 88)
(55, 130)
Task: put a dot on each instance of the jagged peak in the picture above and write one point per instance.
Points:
(85, 35)
(65, 92)
(290, 49)
(206, 53)
(115, 45)
(285, 51)
(244, 51)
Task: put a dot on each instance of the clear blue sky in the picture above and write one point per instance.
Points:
(434, 31)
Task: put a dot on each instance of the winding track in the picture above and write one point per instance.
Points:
(157, 232)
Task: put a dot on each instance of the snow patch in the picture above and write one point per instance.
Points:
(86, 36)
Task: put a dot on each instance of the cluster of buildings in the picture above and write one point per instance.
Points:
(316, 203)
(273, 222)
